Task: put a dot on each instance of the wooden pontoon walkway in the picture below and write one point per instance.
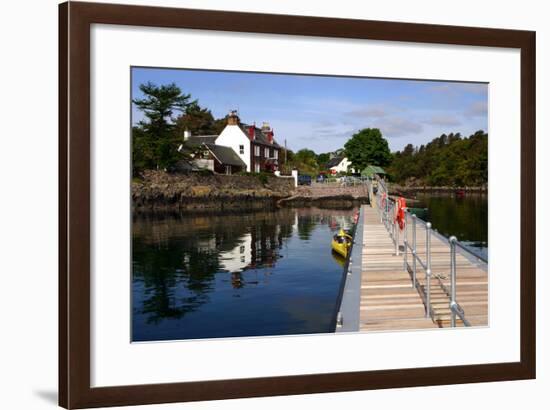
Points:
(388, 300)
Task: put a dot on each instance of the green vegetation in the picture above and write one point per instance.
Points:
(197, 120)
(305, 161)
(449, 160)
(158, 143)
(156, 139)
(155, 142)
(368, 147)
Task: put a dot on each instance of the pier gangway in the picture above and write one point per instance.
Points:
(410, 276)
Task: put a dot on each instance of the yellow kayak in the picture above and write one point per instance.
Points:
(341, 242)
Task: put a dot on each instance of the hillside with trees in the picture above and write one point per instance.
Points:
(449, 160)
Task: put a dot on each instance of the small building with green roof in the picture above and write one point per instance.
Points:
(372, 170)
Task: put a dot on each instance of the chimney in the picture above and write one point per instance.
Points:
(233, 118)
(251, 132)
(267, 131)
(186, 135)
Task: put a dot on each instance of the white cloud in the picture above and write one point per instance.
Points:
(476, 109)
(395, 127)
(444, 120)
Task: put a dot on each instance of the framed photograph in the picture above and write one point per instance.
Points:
(255, 205)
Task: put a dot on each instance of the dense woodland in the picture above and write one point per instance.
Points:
(448, 160)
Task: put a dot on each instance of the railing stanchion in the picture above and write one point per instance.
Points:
(405, 244)
(452, 304)
(428, 268)
(387, 217)
(414, 250)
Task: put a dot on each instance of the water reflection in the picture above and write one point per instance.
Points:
(197, 276)
(340, 260)
(464, 217)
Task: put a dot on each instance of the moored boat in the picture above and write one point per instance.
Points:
(341, 243)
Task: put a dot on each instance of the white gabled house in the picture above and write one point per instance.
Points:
(256, 147)
(233, 136)
(339, 164)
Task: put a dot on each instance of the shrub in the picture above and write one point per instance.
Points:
(263, 177)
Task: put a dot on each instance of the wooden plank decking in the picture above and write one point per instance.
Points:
(388, 299)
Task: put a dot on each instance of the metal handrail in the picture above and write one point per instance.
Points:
(386, 211)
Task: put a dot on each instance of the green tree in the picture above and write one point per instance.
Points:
(367, 147)
(197, 120)
(448, 160)
(323, 158)
(306, 155)
(155, 134)
(218, 125)
(305, 161)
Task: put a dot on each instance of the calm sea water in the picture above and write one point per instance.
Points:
(228, 275)
(465, 218)
(257, 273)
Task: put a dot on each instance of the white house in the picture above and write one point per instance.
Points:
(239, 146)
(233, 136)
(255, 146)
(339, 164)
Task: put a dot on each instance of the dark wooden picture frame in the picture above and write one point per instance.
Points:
(74, 204)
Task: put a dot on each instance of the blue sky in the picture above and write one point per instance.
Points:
(322, 112)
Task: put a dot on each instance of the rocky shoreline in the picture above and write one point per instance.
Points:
(327, 196)
(158, 191)
(161, 191)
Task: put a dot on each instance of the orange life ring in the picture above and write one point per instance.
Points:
(400, 212)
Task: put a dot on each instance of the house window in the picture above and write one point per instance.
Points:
(275, 154)
(266, 152)
(257, 150)
(228, 169)
(241, 149)
(257, 167)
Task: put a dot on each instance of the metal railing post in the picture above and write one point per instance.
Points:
(452, 304)
(405, 244)
(428, 268)
(414, 250)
